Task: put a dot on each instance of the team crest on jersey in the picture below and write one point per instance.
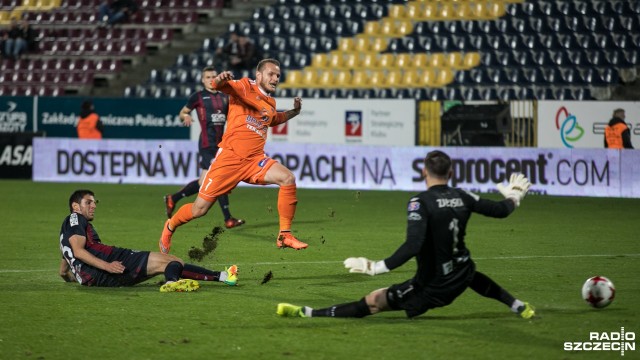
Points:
(73, 219)
(414, 216)
(413, 206)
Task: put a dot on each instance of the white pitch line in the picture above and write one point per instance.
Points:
(5, 271)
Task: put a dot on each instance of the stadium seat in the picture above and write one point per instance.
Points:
(512, 76)
(471, 94)
(541, 57)
(393, 78)
(385, 61)
(403, 61)
(543, 94)
(420, 60)
(576, 57)
(631, 56)
(559, 58)
(471, 60)
(410, 78)
(377, 79)
(310, 78)
(525, 93)
(397, 11)
(423, 43)
(320, 60)
(342, 78)
(325, 79)
(301, 59)
(581, 94)
(346, 44)
(569, 75)
(335, 61)
(549, 42)
(532, 75)
(595, 57)
(563, 94)
(550, 75)
(378, 44)
(292, 78)
(360, 79)
(367, 60)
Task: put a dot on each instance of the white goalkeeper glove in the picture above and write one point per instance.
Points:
(365, 266)
(516, 189)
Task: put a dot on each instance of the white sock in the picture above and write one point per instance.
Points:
(307, 311)
(223, 276)
(516, 304)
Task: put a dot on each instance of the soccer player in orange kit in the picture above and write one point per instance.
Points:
(241, 154)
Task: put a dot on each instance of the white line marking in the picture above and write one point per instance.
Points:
(524, 257)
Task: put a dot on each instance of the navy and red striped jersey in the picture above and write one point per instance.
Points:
(76, 224)
(211, 109)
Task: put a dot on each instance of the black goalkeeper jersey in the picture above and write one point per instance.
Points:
(436, 228)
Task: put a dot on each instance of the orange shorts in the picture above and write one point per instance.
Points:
(229, 169)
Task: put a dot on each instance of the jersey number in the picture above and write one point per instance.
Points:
(453, 226)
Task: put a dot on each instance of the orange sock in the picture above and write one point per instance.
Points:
(182, 216)
(287, 201)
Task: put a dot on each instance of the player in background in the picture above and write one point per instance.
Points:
(241, 157)
(211, 106)
(436, 228)
(88, 261)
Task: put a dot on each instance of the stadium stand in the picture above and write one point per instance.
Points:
(437, 50)
(431, 50)
(74, 53)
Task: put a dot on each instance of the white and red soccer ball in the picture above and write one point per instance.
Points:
(598, 291)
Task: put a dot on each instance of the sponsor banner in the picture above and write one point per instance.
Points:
(578, 172)
(16, 114)
(122, 118)
(581, 124)
(630, 172)
(115, 161)
(16, 155)
(335, 121)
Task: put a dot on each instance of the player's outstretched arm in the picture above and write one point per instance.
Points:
(365, 266)
(297, 106)
(222, 78)
(516, 189)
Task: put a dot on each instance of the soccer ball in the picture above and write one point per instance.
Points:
(598, 291)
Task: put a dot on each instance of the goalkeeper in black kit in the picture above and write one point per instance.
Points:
(436, 228)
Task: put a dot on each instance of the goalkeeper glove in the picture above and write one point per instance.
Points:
(365, 266)
(516, 189)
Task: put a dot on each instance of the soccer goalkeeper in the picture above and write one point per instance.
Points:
(436, 226)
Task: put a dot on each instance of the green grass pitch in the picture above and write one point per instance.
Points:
(541, 254)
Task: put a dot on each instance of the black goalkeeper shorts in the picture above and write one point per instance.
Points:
(416, 300)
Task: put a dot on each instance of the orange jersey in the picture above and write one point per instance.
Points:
(88, 127)
(251, 113)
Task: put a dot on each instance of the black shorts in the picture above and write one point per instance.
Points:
(415, 299)
(135, 263)
(206, 156)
